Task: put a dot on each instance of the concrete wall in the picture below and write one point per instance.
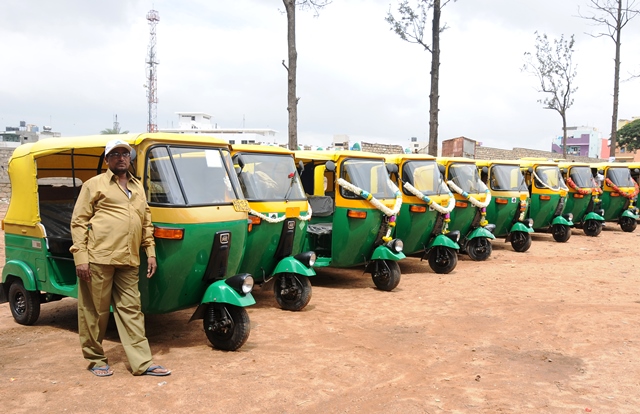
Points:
(5, 185)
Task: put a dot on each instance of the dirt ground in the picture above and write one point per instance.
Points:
(553, 330)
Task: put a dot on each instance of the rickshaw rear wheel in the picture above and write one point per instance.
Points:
(227, 326)
(627, 224)
(293, 292)
(520, 241)
(386, 275)
(592, 228)
(443, 260)
(24, 304)
(561, 233)
(479, 248)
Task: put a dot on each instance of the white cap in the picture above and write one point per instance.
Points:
(116, 143)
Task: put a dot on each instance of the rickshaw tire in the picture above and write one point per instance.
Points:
(479, 252)
(592, 228)
(627, 224)
(443, 260)
(234, 339)
(386, 276)
(561, 233)
(300, 300)
(520, 241)
(24, 304)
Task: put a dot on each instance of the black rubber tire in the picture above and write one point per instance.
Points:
(443, 260)
(24, 304)
(520, 241)
(561, 233)
(479, 248)
(592, 228)
(627, 224)
(387, 275)
(296, 292)
(231, 337)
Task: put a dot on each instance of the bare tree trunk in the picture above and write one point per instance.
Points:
(616, 86)
(292, 99)
(564, 135)
(435, 77)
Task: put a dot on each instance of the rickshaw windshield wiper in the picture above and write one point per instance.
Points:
(292, 180)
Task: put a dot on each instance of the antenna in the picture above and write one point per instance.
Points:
(152, 88)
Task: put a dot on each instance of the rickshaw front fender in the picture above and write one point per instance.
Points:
(593, 216)
(22, 271)
(561, 220)
(384, 253)
(292, 265)
(628, 213)
(220, 292)
(480, 232)
(520, 227)
(442, 240)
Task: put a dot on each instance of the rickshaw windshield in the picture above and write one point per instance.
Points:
(369, 175)
(549, 177)
(424, 176)
(467, 178)
(620, 176)
(189, 176)
(582, 177)
(269, 177)
(507, 178)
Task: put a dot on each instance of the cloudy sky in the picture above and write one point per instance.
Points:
(74, 64)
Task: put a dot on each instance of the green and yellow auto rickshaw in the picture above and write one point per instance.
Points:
(198, 211)
(423, 220)
(469, 214)
(509, 202)
(548, 196)
(278, 218)
(583, 197)
(354, 210)
(619, 191)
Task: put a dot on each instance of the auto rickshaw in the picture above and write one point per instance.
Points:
(199, 217)
(422, 223)
(354, 210)
(548, 196)
(583, 198)
(509, 202)
(619, 193)
(469, 214)
(278, 219)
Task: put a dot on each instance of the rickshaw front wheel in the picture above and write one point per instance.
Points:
(386, 274)
(592, 228)
(24, 304)
(443, 259)
(293, 292)
(627, 224)
(227, 326)
(520, 241)
(561, 233)
(479, 248)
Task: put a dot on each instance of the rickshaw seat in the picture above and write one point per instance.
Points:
(321, 206)
(320, 229)
(56, 208)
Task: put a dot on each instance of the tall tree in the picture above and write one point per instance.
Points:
(629, 136)
(553, 65)
(410, 26)
(292, 66)
(614, 16)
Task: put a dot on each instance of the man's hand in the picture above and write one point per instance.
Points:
(152, 265)
(83, 272)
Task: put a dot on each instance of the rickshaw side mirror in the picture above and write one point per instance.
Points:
(391, 167)
(442, 169)
(485, 170)
(237, 169)
(636, 171)
(601, 172)
(133, 154)
(300, 167)
(240, 162)
(330, 166)
(530, 170)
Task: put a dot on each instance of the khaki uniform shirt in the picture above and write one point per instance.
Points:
(108, 226)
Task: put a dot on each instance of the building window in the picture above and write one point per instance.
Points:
(232, 141)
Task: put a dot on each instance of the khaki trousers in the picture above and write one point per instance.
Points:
(117, 286)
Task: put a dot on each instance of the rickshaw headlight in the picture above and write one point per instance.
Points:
(395, 245)
(529, 223)
(569, 216)
(454, 235)
(600, 212)
(242, 283)
(306, 258)
(490, 227)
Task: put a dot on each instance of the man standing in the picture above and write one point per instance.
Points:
(111, 220)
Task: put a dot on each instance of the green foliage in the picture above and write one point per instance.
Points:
(629, 136)
(112, 131)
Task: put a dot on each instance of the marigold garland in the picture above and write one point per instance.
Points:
(469, 197)
(577, 189)
(629, 196)
(430, 202)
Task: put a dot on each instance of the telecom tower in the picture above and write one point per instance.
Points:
(152, 78)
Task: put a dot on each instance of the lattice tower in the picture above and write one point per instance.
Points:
(152, 78)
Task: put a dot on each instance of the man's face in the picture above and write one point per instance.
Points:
(119, 160)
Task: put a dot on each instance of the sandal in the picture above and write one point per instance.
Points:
(104, 371)
(152, 371)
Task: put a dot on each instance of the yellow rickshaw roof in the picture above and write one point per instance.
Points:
(487, 163)
(398, 158)
(335, 155)
(447, 160)
(566, 164)
(260, 148)
(530, 162)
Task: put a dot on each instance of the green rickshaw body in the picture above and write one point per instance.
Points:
(619, 191)
(583, 200)
(548, 193)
